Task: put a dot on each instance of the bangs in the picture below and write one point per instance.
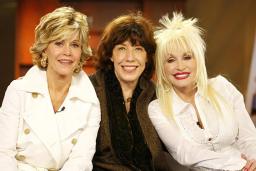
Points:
(178, 44)
(65, 34)
(132, 33)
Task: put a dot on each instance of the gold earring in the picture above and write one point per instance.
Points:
(78, 68)
(44, 61)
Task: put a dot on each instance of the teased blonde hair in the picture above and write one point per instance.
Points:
(60, 25)
(180, 34)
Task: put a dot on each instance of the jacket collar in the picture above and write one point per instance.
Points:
(35, 81)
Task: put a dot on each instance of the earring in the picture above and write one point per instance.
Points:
(78, 68)
(44, 61)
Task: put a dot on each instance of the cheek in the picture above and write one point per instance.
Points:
(168, 68)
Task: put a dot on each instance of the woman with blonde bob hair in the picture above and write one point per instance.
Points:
(49, 118)
(202, 122)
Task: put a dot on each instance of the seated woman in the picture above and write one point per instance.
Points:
(49, 118)
(207, 117)
(127, 140)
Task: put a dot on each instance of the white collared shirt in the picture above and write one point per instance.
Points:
(224, 137)
(38, 137)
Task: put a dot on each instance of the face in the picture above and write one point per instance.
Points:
(64, 55)
(180, 69)
(129, 62)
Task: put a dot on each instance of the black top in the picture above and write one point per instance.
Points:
(126, 134)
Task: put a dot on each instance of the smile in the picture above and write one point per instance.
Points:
(129, 68)
(181, 75)
(65, 61)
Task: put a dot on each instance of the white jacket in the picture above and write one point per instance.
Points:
(33, 137)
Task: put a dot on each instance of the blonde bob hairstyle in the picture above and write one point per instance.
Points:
(180, 34)
(60, 25)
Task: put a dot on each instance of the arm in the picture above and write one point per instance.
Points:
(82, 153)
(247, 132)
(9, 121)
(183, 150)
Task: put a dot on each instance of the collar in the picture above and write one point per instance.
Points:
(180, 105)
(35, 81)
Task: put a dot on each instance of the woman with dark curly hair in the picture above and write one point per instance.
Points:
(126, 140)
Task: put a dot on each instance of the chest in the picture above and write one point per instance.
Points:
(219, 131)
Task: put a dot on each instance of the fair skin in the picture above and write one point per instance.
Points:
(180, 69)
(250, 165)
(129, 63)
(63, 58)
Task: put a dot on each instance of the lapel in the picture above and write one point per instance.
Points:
(150, 135)
(38, 113)
(43, 123)
(98, 81)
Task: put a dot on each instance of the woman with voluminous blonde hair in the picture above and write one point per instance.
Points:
(203, 122)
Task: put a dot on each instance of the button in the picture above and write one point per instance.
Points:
(34, 95)
(74, 141)
(20, 157)
(51, 169)
(27, 131)
(209, 139)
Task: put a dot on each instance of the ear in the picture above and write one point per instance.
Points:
(111, 59)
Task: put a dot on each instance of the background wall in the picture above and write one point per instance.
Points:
(7, 43)
(229, 26)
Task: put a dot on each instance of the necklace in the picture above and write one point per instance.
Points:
(128, 100)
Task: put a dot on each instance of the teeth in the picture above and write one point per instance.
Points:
(65, 61)
(129, 68)
(181, 75)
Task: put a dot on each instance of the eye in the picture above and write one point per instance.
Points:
(121, 48)
(170, 60)
(75, 45)
(139, 48)
(59, 43)
(187, 57)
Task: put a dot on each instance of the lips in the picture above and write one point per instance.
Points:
(65, 61)
(129, 68)
(181, 75)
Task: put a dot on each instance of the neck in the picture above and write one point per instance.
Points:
(127, 89)
(58, 89)
(186, 94)
(58, 83)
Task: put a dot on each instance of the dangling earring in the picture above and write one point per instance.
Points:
(78, 68)
(44, 60)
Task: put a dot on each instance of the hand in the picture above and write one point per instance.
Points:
(250, 164)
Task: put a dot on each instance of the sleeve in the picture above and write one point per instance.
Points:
(9, 121)
(183, 150)
(247, 133)
(82, 153)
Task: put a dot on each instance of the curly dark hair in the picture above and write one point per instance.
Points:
(133, 27)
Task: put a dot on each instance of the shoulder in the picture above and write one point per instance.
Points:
(223, 86)
(82, 82)
(97, 78)
(148, 89)
(154, 106)
(220, 82)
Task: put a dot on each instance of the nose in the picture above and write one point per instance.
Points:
(130, 55)
(180, 65)
(67, 50)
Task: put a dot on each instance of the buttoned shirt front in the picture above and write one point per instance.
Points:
(37, 138)
(223, 139)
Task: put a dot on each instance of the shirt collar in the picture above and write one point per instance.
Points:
(35, 81)
(180, 105)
